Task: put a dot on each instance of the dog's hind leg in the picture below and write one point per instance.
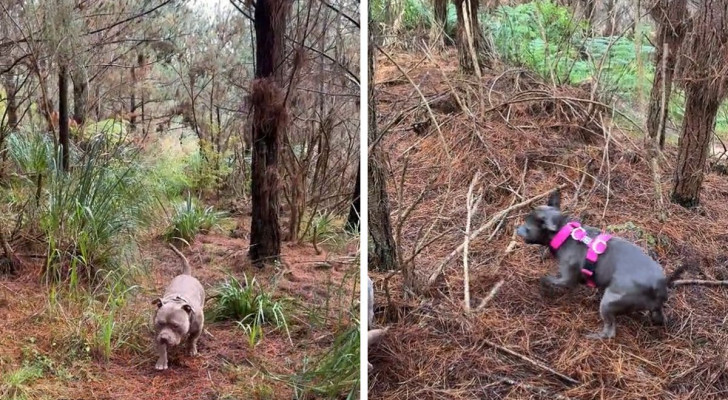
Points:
(657, 316)
(609, 307)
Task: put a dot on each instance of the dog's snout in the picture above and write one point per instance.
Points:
(163, 340)
(521, 231)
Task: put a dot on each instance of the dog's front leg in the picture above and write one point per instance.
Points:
(568, 277)
(162, 360)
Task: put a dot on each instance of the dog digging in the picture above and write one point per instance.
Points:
(631, 280)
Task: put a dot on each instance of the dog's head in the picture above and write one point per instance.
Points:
(543, 222)
(172, 320)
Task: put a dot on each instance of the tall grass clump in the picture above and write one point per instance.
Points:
(334, 374)
(189, 219)
(91, 215)
(250, 306)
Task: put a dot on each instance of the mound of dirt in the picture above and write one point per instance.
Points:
(525, 138)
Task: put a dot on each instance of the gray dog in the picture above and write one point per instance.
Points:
(632, 281)
(179, 313)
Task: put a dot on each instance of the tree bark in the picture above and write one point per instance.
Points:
(483, 53)
(352, 222)
(63, 129)
(705, 76)
(383, 255)
(669, 15)
(440, 21)
(269, 125)
(11, 109)
(80, 94)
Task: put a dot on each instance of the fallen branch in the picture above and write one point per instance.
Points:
(472, 204)
(699, 282)
(533, 362)
(490, 295)
(494, 220)
(537, 389)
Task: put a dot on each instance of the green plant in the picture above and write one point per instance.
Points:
(94, 213)
(335, 374)
(15, 383)
(189, 219)
(250, 306)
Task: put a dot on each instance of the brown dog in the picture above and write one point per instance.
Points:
(179, 313)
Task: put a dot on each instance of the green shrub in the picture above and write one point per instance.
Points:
(335, 374)
(248, 304)
(189, 219)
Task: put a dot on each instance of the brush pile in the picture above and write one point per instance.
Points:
(525, 139)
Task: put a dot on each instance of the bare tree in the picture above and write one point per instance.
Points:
(352, 221)
(384, 256)
(670, 17)
(469, 30)
(269, 124)
(703, 66)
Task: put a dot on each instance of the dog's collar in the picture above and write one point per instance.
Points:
(174, 298)
(595, 247)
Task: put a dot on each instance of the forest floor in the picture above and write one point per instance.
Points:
(525, 139)
(49, 338)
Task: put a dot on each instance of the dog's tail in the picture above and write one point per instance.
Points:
(186, 270)
(675, 275)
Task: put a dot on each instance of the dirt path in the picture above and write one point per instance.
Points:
(33, 332)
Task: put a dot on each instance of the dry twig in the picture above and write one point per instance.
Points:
(496, 218)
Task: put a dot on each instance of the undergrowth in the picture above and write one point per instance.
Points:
(247, 303)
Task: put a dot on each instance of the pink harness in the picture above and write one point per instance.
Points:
(595, 247)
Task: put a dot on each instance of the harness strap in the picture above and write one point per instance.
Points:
(595, 247)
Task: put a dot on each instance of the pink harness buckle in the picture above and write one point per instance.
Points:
(595, 247)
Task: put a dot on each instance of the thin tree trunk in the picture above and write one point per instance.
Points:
(80, 94)
(480, 46)
(269, 124)
(352, 222)
(11, 103)
(383, 255)
(440, 22)
(63, 129)
(705, 77)
(669, 16)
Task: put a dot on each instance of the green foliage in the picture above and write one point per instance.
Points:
(539, 35)
(335, 374)
(207, 168)
(14, 383)
(247, 303)
(189, 219)
(91, 215)
(113, 130)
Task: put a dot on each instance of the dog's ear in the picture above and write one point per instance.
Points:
(555, 199)
(187, 308)
(549, 223)
(157, 302)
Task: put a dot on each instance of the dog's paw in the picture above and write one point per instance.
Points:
(601, 335)
(193, 352)
(161, 365)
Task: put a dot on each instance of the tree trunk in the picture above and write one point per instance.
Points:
(669, 16)
(700, 111)
(269, 125)
(383, 255)
(480, 46)
(439, 27)
(63, 129)
(80, 94)
(352, 222)
(705, 77)
(11, 109)
(132, 99)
